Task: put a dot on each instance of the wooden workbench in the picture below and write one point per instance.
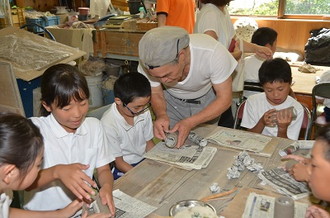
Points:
(162, 185)
(304, 83)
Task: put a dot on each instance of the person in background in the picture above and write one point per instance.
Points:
(128, 123)
(75, 146)
(261, 111)
(176, 13)
(21, 156)
(213, 19)
(263, 36)
(194, 71)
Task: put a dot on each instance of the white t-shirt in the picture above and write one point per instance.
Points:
(256, 106)
(210, 63)
(5, 200)
(86, 146)
(211, 18)
(126, 140)
(252, 65)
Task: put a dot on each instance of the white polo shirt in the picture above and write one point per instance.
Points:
(85, 146)
(256, 106)
(5, 200)
(125, 140)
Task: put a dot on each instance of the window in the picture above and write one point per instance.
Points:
(281, 8)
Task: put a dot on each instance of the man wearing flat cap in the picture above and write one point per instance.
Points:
(189, 76)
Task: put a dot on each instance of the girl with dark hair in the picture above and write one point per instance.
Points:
(21, 155)
(74, 145)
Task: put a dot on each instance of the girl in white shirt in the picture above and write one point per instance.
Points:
(74, 145)
(21, 154)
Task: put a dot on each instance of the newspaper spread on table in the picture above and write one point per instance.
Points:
(127, 206)
(239, 140)
(262, 206)
(283, 182)
(188, 156)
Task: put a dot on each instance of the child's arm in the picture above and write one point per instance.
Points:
(105, 179)
(68, 211)
(150, 145)
(122, 165)
(71, 175)
(266, 120)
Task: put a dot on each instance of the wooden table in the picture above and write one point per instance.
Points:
(162, 185)
(304, 83)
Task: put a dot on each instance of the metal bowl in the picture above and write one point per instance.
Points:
(185, 204)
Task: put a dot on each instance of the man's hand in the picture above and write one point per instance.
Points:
(264, 52)
(75, 179)
(161, 125)
(183, 127)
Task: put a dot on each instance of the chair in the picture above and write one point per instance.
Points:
(251, 88)
(319, 90)
(304, 126)
(239, 115)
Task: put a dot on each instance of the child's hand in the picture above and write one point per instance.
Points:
(316, 212)
(269, 118)
(284, 118)
(96, 215)
(299, 171)
(107, 198)
(74, 178)
(71, 209)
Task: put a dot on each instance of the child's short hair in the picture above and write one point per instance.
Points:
(275, 70)
(263, 36)
(131, 85)
(324, 134)
(60, 83)
(20, 142)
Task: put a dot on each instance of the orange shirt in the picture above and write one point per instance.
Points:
(179, 13)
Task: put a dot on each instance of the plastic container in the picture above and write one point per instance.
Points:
(134, 6)
(83, 10)
(42, 21)
(95, 91)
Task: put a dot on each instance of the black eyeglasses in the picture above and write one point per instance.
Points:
(176, 57)
(139, 112)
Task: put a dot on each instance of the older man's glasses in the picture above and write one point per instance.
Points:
(176, 57)
(138, 112)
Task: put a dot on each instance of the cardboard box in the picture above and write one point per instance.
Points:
(116, 42)
(80, 38)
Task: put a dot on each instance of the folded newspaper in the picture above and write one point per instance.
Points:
(262, 206)
(127, 206)
(188, 156)
(284, 183)
(240, 140)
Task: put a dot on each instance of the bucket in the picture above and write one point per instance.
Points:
(95, 91)
(83, 10)
(134, 6)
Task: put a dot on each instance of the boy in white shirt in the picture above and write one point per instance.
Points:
(127, 123)
(261, 110)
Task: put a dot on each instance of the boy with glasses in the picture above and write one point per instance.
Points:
(127, 123)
